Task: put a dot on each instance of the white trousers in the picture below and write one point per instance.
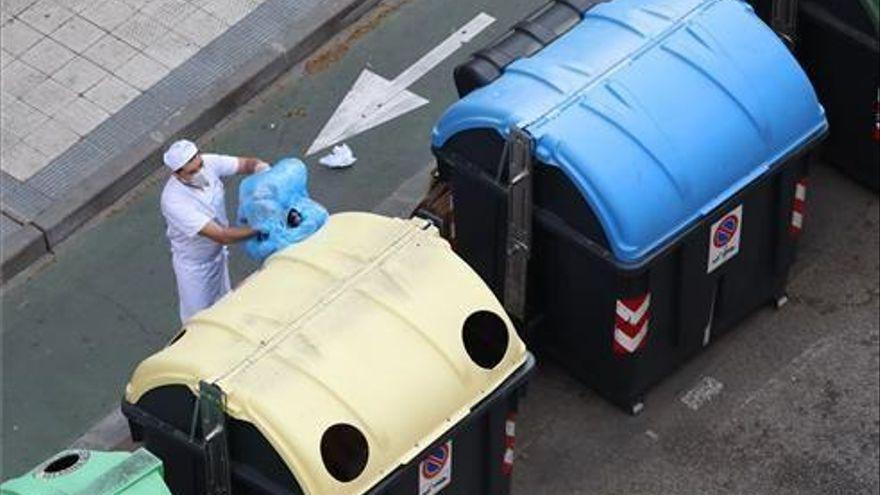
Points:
(200, 285)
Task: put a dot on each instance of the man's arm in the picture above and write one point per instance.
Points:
(249, 166)
(227, 235)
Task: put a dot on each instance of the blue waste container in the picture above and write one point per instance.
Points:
(668, 146)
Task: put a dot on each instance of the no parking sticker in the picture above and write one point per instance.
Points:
(724, 238)
(435, 472)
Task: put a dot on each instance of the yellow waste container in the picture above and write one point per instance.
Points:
(368, 359)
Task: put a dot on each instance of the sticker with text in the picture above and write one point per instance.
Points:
(724, 238)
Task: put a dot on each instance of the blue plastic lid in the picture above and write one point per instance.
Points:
(658, 111)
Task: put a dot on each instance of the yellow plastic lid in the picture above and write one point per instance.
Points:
(373, 323)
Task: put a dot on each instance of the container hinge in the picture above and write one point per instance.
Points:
(212, 411)
(519, 223)
(783, 19)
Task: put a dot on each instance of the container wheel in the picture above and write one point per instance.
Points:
(781, 301)
(636, 408)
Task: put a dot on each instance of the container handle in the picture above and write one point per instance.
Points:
(519, 223)
(212, 410)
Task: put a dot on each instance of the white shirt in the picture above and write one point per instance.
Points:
(187, 210)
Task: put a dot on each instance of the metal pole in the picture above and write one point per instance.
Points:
(784, 20)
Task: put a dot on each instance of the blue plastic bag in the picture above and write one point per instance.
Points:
(276, 202)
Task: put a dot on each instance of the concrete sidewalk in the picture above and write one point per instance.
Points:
(92, 91)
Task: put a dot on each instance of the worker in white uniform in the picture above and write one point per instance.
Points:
(194, 207)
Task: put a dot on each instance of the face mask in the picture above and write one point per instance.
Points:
(199, 180)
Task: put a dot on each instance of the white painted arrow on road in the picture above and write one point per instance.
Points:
(375, 100)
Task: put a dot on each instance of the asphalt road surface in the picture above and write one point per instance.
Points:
(788, 403)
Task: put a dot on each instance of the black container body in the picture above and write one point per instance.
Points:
(764, 9)
(838, 47)
(575, 283)
(163, 420)
(163, 417)
(850, 13)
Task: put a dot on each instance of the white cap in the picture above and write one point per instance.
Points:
(180, 153)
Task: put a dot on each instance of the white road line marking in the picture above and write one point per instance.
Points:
(375, 100)
(702, 393)
(110, 433)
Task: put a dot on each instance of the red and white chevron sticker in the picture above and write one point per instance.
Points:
(509, 445)
(799, 208)
(631, 324)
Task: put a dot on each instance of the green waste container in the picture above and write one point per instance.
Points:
(82, 472)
